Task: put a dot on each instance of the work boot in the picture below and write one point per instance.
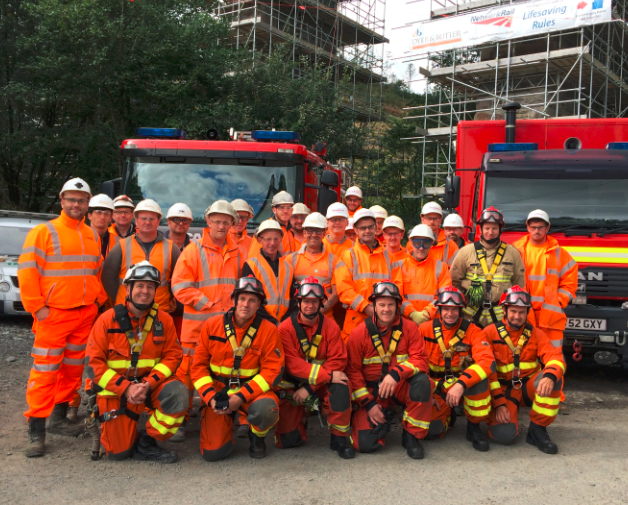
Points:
(179, 436)
(242, 431)
(72, 414)
(148, 450)
(342, 446)
(412, 445)
(59, 424)
(36, 437)
(537, 435)
(476, 437)
(257, 447)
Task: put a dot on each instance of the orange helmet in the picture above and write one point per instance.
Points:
(491, 215)
(311, 288)
(450, 296)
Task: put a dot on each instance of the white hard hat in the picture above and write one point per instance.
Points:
(240, 205)
(362, 214)
(350, 225)
(538, 214)
(269, 224)
(431, 208)
(148, 205)
(354, 191)
(283, 198)
(123, 201)
(76, 184)
(300, 208)
(379, 211)
(101, 201)
(315, 220)
(453, 221)
(179, 210)
(142, 271)
(394, 222)
(422, 231)
(337, 210)
(222, 207)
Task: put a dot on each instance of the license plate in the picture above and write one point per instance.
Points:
(581, 323)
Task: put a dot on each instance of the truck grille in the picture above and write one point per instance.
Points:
(15, 281)
(603, 281)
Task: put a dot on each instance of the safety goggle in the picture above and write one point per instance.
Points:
(491, 216)
(422, 243)
(146, 272)
(450, 298)
(521, 299)
(385, 289)
(248, 282)
(311, 291)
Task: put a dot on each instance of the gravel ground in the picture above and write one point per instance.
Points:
(589, 468)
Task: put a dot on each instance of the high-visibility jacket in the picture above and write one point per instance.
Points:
(203, 280)
(421, 282)
(261, 367)
(114, 230)
(276, 288)
(320, 266)
(444, 250)
(398, 257)
(552, 281)
(331, 354)
(60, 266)
(356, 272)
(538, 348)
(364, 363)
(352, 212)
(243, 242)
(109, 353)
(288, 243)
(474, 345)
(337, 248)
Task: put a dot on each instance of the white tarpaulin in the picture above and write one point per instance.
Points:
(502, 23)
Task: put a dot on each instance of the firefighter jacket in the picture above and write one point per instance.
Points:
(320, 266)
(444, 250)
(421, 282)
(162, 254)
(288, 243)
(114, 230)
(277, 284)
(109, 352)
(337, 248)
(364, 366)
(537, 349)
(243, 242)
(203, 280)
(471, 349)
(261, 368)
(60, 266)
(551, 280)
(323, 340)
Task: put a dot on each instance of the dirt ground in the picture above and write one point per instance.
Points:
(590, 466)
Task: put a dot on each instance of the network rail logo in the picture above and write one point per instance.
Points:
(501, 18)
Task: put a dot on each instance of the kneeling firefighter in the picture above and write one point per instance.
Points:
(133, 352)
(315, 359)
(237, 364)
(387, 367)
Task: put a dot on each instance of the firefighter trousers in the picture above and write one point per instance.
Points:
(556, 336)
(543, 411)
(217, 430)
(166, 404)
(58, 358)
(416, 417)
(183, 374)
(336, 402)
(476, 402)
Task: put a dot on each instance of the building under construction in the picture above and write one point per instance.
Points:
(579, 73)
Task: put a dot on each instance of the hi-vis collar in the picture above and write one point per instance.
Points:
(449, 353)
(516, 351)
(395, 337)
(238, 350)
(309, 349)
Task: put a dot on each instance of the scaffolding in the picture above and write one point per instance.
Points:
(579, 73)
(344, 35)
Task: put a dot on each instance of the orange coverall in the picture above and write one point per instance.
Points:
(421, 282)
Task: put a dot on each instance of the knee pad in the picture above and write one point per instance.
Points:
(89, 371)
(291, 440)
(437, 429)
(339, 397)
(557, 385)
(420, 388)
(218, 454)
(368, 441)
(174, 397)
(504, 434)
(480, 387)
(263, 413)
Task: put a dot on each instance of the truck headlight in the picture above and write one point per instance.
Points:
(4, 287)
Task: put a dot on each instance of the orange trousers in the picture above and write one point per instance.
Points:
(58, 358)
(166, 404)
(352, 320)
(183, 374)
(556, 336)
(336, 402)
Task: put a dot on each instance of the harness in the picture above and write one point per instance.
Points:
(476, 284)
(309, 349)
(516, 351)
(238, 350)
(449, 353)
(395, 337)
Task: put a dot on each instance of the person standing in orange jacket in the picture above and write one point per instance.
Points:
(59, 283)
(336, 240)
(387, 367)
(238, 362)
(519, 349)
(461, 361)
(381, 214)
(353, 200)
(282, 204)
(445, 248)
(300, 211)
(393, 231)
(133, 353)
(239, 232)
(122, 225)
(179, 219)
(315, 361)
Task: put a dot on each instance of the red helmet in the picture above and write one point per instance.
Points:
(385, 288)
(249, 284)
(450, 297)
(311, 288)
(491, 215)
(516, 296)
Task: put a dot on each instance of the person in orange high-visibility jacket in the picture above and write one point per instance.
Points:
(551, 276)
(386, 368)
(238, 231)
(122, 225)
(58, 272)
(133, 353)
(315, 361)
(520, 380)
(461, 361)
(353, 200)
(282, 205)
(336, 241)
(238, 362)
(359, 269)
(445, 248)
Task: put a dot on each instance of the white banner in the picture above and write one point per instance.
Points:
(502, 23)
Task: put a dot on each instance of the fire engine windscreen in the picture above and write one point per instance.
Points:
(200, 184)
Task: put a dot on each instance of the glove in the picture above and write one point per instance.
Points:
(419, 317)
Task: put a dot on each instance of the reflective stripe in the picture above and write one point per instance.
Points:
(478, 403)
(188, 350)
(318, 361)
(495, 385)
(371, 275)
(261, 382)
(524, 365)
(166, 419)
(74, 361)
(46, 367)
(106, 377)
(104, 392)
(543, 411)
(203, 259)
(547, 400)
(161, 429)
(538, 299)
(66, 258)
(418, 296)
(536, 277)
(405, 305)
(203, 316)
(274, 297)
(54, 237)
(166, 252)
(203, 381)
(496, 278)
(478, 370)
(30, 264)
(556, 362)
(415, 422)
(142, 363)
(439, 268)
(566, 293)
(566, 268)
(477, 413)
(183, 285)
(359, 393)
(371, 361)
(617, 255)
(398, 264)
(44, 351)
(75, 272)
(342, 429)
(437, 368)
(401, 358)
(407, 364)
(128, 252)
(552, 308)
(75, 347)
(34, 250)
(557, 343)
(552, 271)
(201, 303)
(314, 374)
(225, 370)
(356, 302)
(160, 367)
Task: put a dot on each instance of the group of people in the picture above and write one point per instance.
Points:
(297, 320)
